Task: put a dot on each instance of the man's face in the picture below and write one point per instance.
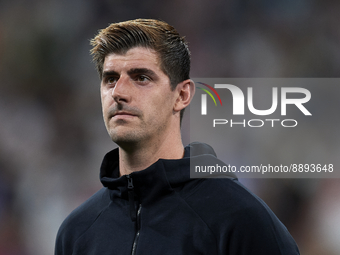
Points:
(137, 100)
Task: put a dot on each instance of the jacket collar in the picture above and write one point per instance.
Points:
(159, 178)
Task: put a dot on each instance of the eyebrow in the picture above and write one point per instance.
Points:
(133, 71)
(109, 73)
(142, 71)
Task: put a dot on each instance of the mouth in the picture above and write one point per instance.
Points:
(123, 115)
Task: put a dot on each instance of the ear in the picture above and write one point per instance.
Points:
(185, 92)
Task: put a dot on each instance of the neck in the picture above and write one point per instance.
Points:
(140, 156)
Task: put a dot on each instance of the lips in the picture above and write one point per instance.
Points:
(127, 112)
(122, 115)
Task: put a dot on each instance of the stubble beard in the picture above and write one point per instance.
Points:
(125, 136)
(124, 132)
(136, 136)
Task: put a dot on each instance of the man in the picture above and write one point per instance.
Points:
(149, 204)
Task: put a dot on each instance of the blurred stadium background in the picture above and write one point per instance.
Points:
(52, 137)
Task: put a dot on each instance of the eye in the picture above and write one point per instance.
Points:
(111, 80)
(142, 78)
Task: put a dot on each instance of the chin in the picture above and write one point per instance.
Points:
(124, 138)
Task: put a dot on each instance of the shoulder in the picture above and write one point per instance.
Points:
(239, 219)
(227, 195)
(80, 220)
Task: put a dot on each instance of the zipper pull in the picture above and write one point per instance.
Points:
(131, 196)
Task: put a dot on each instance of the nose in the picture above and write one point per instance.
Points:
(121, 92)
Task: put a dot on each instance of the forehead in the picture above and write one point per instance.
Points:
(133, 58)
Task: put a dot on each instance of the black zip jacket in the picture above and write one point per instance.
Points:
(160, 210)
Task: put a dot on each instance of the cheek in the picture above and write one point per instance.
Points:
(162, 106)
(105, 99)
(105, 111)
(103, 104)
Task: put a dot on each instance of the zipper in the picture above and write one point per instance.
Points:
(134, 213)
(131, 195)
(134, 245)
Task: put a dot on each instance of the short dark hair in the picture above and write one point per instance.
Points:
(172, 49)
